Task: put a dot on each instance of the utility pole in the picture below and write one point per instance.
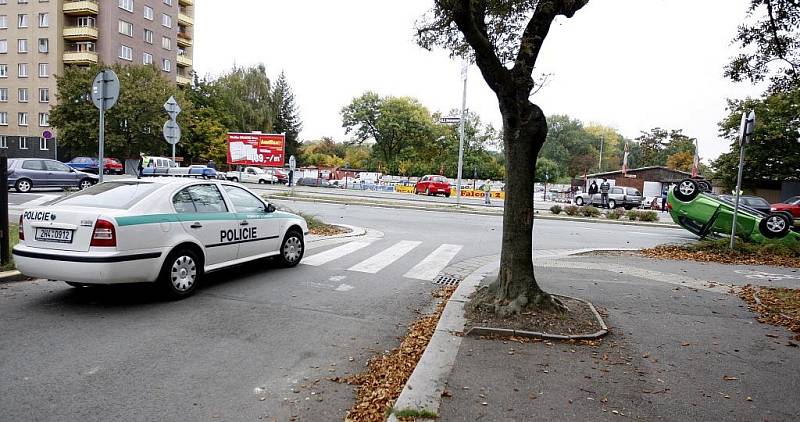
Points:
(461, 133)
(746, 135)
(600, 164)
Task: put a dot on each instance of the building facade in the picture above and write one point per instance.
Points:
(39, 37)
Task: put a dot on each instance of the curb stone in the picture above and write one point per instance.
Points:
(14, 275)
(453, 209)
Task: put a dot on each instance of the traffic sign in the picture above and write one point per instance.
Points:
(172, 107)
(105, 89)
(450, 120)
(47, 134)
(172, 132)
(292, 163)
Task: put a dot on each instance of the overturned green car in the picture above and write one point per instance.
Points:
(694, 208)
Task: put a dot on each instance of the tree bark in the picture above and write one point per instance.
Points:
(525, 130)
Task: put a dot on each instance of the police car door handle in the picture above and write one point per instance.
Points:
(244, 223)
(196, 225)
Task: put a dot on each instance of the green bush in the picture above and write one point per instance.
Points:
(648, 216)
(589, 211)
(632, 215)
(615, 214)
(744, 247)
(571, 210)
(555, 209)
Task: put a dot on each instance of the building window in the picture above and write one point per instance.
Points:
(3, 21)
(22, 46)
(44, 45)
(44, 120)
(3, 46)
(126, 4)
(43, 20)
(3, 95)
(22, 95)
(3, 142)
(168, 2)
(22, 119)
(148, 13)
(3, 70)
(44, 95)
(148, 36)
(22, 20)
(126, 28)
(22, 70)
(23, 142)
(86, 22)
(166, 65)
(166, 43)
(3, 118)
(166, 20)
(147, 58)
(42, 142)
(43, 70)
(125, 52)
(20, 2)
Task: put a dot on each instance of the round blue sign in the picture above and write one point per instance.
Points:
(47, 134)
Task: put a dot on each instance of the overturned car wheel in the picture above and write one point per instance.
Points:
(775, 225)
(686, 190)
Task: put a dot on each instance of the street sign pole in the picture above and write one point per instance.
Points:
(171, 130)
(4, 232)
(747, 127)
(100, 163)
(461, 135)
(105, 92)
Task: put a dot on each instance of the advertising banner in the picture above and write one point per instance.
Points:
(256, 149)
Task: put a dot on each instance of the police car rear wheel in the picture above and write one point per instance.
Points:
(292, 248)
(180, 274)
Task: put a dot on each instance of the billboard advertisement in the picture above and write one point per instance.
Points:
(256, 149)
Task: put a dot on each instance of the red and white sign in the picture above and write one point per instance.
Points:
(256, 149)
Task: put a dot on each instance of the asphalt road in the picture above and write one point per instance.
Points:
(256, 341)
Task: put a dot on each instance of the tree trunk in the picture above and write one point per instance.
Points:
(524, 132)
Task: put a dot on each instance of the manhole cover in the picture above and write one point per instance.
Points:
(447, 279)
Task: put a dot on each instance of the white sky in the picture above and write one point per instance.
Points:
(629, 64)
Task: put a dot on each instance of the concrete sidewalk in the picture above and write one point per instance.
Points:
(679, 350)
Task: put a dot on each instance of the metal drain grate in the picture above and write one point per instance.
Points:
(447, 279)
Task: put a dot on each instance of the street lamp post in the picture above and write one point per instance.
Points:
(461, 134)
(746, 135)
(600, 163)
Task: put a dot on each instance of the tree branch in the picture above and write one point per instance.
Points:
(470, 18)
(537, 29)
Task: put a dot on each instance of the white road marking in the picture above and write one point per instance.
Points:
(38, 201)
(335, 253)
(386, 257)
(343, 288)
(429, 267)
(337, 278)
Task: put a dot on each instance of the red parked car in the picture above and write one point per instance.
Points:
(791, 206)
(433, 184)
(113, 166)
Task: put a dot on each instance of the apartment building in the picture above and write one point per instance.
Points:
(39, 37)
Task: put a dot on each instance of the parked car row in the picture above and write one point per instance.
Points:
(91, 165)
(25, 174)
(618, 196)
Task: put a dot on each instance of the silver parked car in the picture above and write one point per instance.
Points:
(618, 196)
(25, 174)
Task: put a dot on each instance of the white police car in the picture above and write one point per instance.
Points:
(165, 230)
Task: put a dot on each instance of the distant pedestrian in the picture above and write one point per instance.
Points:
(211, 164)
(487, 192)
(604, 188)
(140, 166)
(593, 188)
(664, 193)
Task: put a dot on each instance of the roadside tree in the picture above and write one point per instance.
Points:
(499, 34)
(287, 117)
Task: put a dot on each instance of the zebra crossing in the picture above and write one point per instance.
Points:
(373, 255)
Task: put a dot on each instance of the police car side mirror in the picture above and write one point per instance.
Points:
(270, 208)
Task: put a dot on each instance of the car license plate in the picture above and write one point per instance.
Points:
(54, 235)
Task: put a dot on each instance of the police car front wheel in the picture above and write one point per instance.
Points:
(291, 248)
(180, 273)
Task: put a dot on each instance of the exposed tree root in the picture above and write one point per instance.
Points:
(487, 298)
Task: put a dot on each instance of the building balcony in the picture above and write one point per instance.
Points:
(184, 39)
(184, 61)
(81, 7)
(186, 2)
(80, 57)
(184, 19)
(80, 33)
(182, 80)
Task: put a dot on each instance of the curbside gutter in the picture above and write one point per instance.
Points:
(468, 209)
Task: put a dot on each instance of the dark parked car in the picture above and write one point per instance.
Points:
(87, 164)
(312, 181)
(25, 174)
(754, 202)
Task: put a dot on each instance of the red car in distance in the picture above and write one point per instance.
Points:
(791, 206)
(433, 184)
(113, 166)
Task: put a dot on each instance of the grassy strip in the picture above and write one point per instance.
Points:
(411, 414)
(13, 231)
(775, 306)
(382, 382)
(316, 226)
(771, 252)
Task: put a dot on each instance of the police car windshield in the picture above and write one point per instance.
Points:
(117, 195)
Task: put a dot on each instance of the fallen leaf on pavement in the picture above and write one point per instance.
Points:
(727, 378)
